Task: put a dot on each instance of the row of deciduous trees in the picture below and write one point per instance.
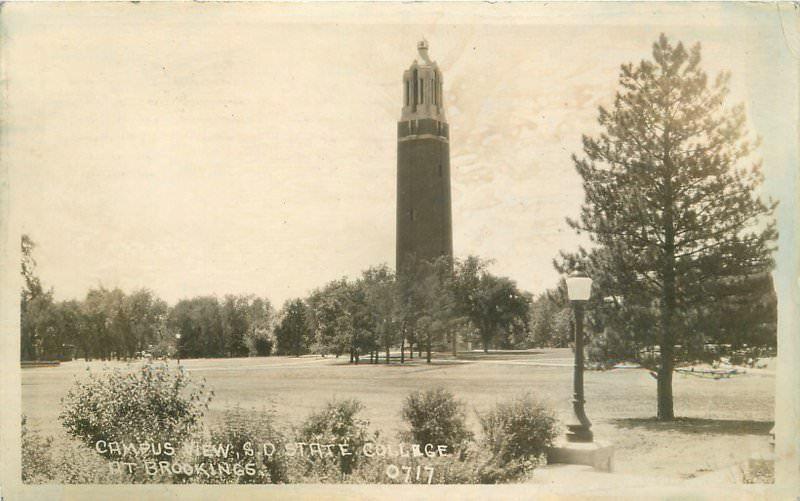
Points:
(108, 323)
(426, 308)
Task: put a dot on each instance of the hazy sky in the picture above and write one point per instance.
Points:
(240, 148)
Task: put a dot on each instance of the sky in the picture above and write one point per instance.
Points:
(201, 148)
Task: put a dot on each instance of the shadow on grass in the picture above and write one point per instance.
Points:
(447, 358)
(697, 425)
(408, 363)
(497, 354)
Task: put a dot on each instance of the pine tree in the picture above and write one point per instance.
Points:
(670, 192)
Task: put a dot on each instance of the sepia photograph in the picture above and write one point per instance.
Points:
(380, 250)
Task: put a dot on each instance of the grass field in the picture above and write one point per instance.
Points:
(722, 422)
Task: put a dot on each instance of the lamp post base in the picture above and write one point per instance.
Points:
(579, 433)
(580, 428)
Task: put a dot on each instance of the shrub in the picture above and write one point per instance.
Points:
(495, 471)
(70, 463)
(37, 463)
(436, 417)
(337, 423)
(74, 463)
(253, 438)
(151, 405)
(516, 435)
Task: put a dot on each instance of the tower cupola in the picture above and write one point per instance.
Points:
(422, 88)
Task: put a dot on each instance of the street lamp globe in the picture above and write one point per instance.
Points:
(579, 286)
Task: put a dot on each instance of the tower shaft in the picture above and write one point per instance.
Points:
(424, 214)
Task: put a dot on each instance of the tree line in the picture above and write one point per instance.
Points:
(426, 309)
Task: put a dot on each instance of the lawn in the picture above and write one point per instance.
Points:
(722, 422)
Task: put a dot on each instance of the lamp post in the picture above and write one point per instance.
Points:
(579, 288)
(178, 346)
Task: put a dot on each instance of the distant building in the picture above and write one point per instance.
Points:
(424, 214)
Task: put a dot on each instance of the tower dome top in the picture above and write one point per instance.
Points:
(422, 48)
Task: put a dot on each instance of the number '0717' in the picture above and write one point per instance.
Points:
(410, 474)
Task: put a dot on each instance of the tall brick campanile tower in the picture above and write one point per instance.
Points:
(424, 216)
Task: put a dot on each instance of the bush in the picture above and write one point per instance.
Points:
(436, 417)
(70, 463)
(152, 405)
(516, 435)
(73, 463)
(495, 471)
(337, 423)
(37, 463)
(250, 433)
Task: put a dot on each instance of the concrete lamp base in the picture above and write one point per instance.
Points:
(579, 433)
(598, 455)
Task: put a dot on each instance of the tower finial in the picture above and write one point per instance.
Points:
(422, 48)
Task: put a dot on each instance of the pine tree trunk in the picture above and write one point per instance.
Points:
(403, 349)
(387, 353)
(666, 341)
(665, 407)
(665, 402)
